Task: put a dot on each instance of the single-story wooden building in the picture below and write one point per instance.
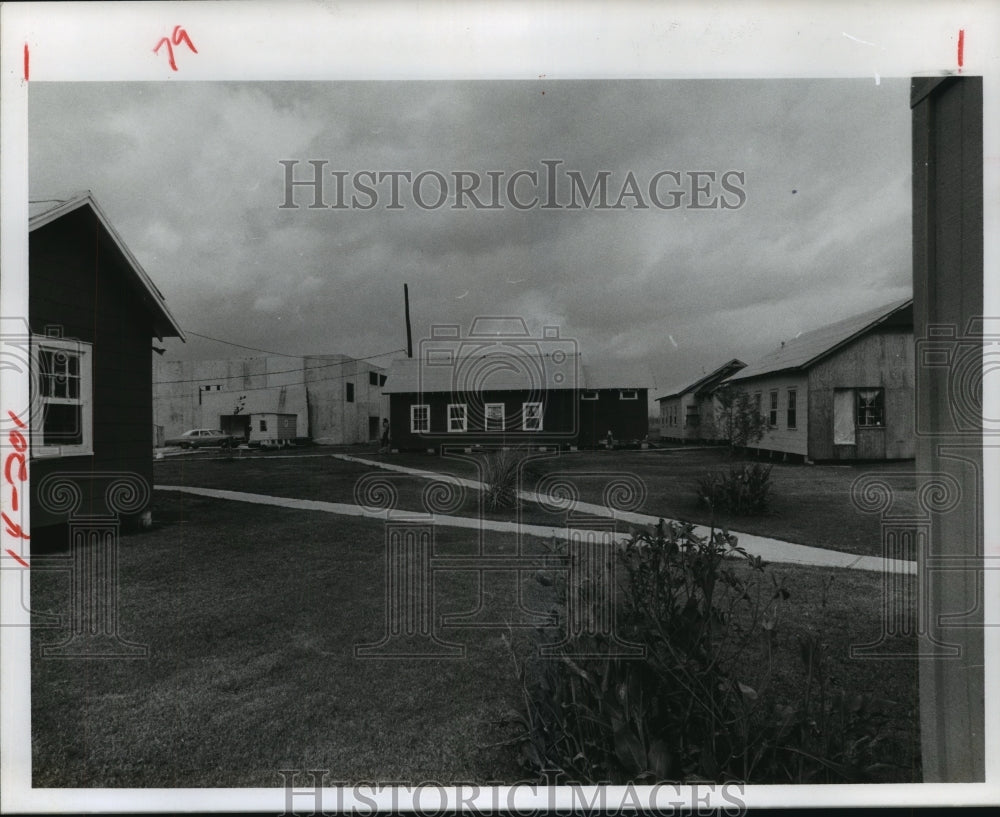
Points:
(93, 312)
(841, 392)
(692, 412)
(494, 397)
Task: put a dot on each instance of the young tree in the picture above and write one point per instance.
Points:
(739, 416)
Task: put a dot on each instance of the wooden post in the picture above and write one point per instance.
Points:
(947, 128)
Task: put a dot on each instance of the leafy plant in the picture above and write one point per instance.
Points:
(739, 417)
(501, 475)
(703, 612)
(740, 489)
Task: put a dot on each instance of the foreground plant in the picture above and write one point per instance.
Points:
(703, 610)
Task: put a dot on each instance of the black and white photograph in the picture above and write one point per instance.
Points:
(582, 439)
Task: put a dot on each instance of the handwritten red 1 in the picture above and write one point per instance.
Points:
(178, 36)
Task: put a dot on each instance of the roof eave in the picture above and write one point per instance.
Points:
(165, 325)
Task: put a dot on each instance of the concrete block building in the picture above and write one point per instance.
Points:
(329, 399)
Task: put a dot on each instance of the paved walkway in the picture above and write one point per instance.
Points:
(771, 550)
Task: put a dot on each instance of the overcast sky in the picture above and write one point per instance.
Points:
(189, 174)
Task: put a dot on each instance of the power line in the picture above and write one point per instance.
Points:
(279, 371)
(240, 345)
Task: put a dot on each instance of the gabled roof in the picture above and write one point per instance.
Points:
(45, 211)
(507, 371)
(809, 348)
(615, 376)
(709, 381)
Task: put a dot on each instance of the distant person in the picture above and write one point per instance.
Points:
(385, 437)
(611, 439)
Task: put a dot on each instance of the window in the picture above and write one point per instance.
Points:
(630, 394)
(691, 417)
(871, 407)
(350, 392)
(588, 395)
(456, 417)
(494, 416)
(532, 416)
(420, 418)
(66, 396)
(263, 425)
(772, 412)
(373, 379)
(381, 379)
(790, 410)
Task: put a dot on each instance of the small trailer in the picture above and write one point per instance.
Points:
(268, 429)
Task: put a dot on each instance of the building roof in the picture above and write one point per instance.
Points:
(497, 370)
(809, 348)
(709, 381)
(44, 211)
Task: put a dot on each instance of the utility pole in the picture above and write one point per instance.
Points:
(409, 335)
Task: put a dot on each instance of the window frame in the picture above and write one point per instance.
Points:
(772, 409)
(85, 399)
(589, 395)
(623, 392)
(539, 417)
(348, 391)
(879, 403)
(465, 418)
(486, 416)
(791, 408)
(413, 412)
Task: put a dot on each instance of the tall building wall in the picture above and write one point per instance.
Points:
(187, 394)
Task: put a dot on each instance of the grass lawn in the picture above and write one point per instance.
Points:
(251, 614)
(810, 504)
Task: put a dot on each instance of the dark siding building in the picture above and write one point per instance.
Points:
(512, 400)
(92, 314)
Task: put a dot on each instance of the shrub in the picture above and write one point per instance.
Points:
(501, 475)
(669, 714)
(701, 609)
(741, 489)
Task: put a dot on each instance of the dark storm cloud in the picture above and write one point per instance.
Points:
(190, 175)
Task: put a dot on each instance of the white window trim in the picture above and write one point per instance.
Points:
(792, 396)
(486, 416)
(465, 418)
(524, 416)
(413, 414)
(589, 394)
(633, 392)
(773, 407)
(86, 400)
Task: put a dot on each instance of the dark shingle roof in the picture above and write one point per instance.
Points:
(810, 347)
(507, 371)
(708, 381)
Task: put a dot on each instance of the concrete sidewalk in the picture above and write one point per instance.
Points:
(771, 550)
